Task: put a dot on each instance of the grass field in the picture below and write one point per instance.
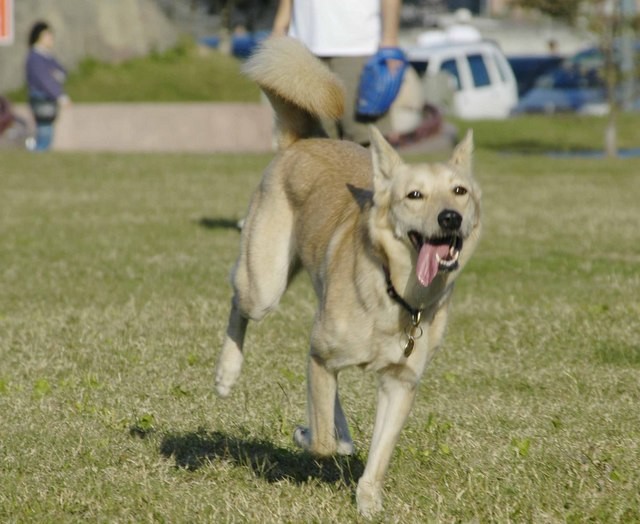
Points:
(113, 300)
(185, 73)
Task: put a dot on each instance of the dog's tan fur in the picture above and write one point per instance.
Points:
(344, 213)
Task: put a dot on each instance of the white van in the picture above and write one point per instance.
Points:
(473, 79)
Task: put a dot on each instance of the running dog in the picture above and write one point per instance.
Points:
(382, 240)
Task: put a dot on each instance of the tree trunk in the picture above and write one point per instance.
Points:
(611, 132)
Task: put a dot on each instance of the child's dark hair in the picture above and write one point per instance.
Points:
(37, 29)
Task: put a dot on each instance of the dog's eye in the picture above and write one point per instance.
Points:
(459, 190)
(414, 195)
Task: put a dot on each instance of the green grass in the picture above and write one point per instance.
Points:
(183, 74)
(539, 134)
(114, 296)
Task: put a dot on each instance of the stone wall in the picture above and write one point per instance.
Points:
(108, 30)
(168, 127)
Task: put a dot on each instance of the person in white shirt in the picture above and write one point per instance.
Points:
(345, 34)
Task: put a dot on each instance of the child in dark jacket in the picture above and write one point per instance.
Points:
(45, 82)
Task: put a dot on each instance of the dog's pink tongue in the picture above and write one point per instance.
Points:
(427, 266)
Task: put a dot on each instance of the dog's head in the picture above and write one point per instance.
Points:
(432, 209)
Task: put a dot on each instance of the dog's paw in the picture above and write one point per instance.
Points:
(302, 437)
(346, 448)
(225, 379)
(222, 389)
(369, 498)
(227, 373)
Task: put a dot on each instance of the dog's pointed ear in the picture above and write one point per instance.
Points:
(463, 153)
(383, 157)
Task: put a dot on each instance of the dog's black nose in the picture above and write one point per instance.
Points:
(450, 220)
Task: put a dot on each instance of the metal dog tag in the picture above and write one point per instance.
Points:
(408, 347)
(412, 333)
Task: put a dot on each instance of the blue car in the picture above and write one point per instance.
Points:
(573, 86)
(528, 68)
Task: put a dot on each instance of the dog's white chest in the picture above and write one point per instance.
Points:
(367, 344)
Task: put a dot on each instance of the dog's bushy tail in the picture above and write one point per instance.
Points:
(302, 90)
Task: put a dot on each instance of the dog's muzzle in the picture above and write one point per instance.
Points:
(441, 252)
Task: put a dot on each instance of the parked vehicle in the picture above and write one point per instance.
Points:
(576, 85)
(473, 79)
(528, 68)
(573, 86)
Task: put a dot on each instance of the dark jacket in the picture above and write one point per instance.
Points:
(45, 76)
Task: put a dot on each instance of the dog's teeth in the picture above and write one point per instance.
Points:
(448, 262)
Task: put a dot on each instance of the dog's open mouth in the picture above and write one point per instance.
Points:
(435, 254)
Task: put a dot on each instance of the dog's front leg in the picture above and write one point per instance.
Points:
(322, 388)
(395, 398)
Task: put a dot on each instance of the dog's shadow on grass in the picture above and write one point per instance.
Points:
(217, 223)
(194, 450)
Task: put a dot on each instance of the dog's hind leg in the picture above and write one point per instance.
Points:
(345, 443)
(231, 356)
(260, 277)
(266, 262)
